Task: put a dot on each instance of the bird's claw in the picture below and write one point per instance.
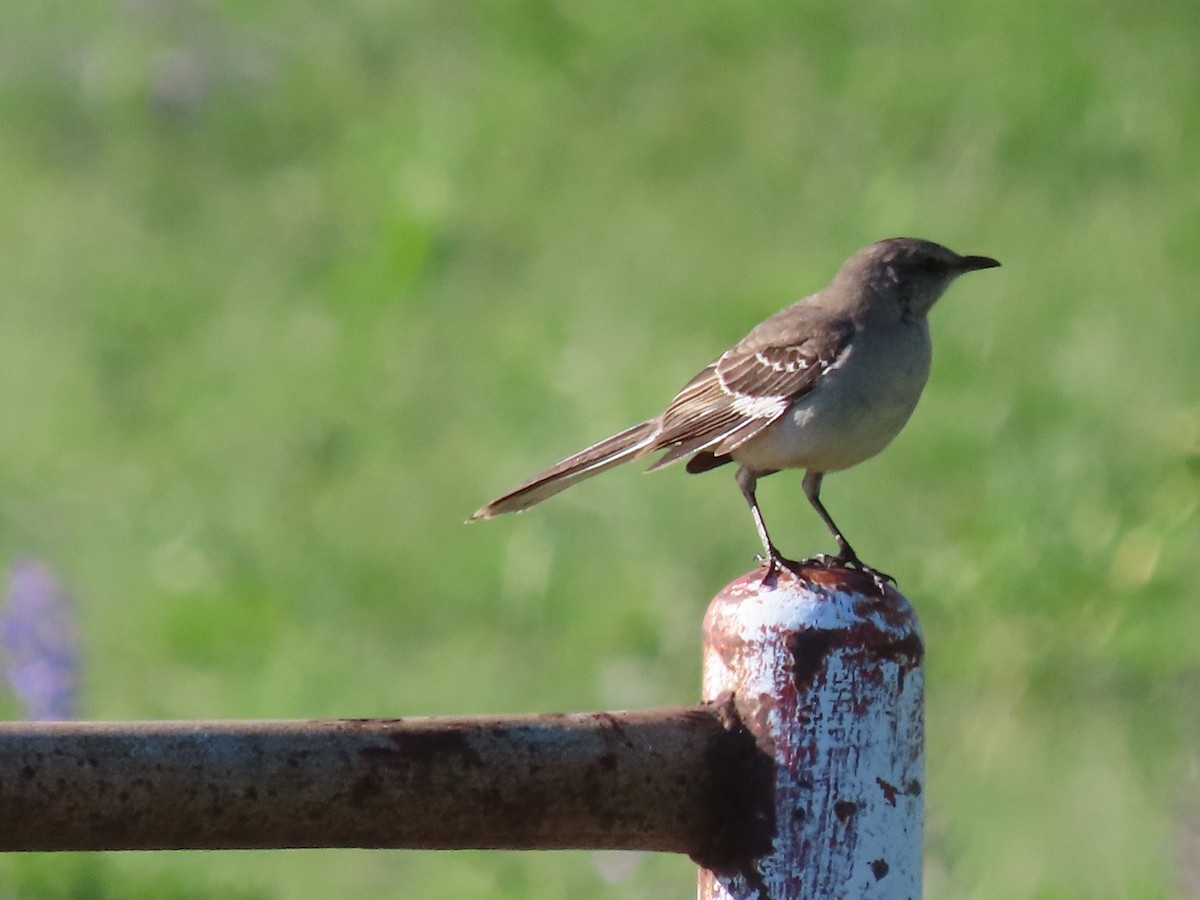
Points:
(850, 561)
(881, 579)
(823, 561)
(774, 561)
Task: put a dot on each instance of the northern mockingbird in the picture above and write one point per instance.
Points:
(821, 386)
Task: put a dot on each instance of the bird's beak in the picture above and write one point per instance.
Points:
(974, 263)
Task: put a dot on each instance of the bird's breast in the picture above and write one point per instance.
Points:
(857, 408)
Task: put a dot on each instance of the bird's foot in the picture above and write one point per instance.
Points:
(881, 579)
(848, 561)
(823, 561)
(774, 561)
(771, 564)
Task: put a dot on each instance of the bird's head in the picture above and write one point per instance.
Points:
(907, 271)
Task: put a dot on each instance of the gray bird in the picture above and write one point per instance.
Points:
(821, 386)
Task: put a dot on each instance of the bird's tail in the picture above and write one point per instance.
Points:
(629, 444)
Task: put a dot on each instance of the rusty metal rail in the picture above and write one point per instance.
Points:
(800, 776)
(522, 782)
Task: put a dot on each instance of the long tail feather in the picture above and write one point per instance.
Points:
(629, 444)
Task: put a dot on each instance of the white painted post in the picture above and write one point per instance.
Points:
(826, 673)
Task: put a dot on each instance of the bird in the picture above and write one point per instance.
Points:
(821, 386)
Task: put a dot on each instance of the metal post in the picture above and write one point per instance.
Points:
(826, 673)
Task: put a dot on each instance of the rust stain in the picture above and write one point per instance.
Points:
(879, 868)
(889, 791)
(908, 651)
(809, 650)
(844, 809)
(743, 801)
(410, 749)
(365, 788)
(420, 746)
(727, 643)
(840, 579)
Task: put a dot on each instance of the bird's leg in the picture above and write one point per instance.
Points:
(846, 555)
(812, 490)
(746, 481)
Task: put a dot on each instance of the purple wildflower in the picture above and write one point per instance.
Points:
(41, 641)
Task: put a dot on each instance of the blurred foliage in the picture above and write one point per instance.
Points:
(290, 288)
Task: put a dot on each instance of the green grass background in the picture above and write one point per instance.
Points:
(288, 289)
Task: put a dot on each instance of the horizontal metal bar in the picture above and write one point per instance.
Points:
(637, 780)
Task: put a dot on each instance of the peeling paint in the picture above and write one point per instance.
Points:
(827, 674)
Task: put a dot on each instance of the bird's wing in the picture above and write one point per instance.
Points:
(753, 384)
